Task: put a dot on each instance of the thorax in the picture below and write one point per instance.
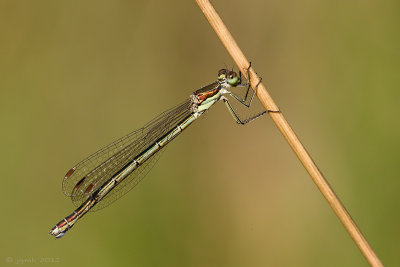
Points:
(205, 97)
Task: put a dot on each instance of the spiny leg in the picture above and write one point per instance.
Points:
(243, 101)
(247, 80)
(236, 117)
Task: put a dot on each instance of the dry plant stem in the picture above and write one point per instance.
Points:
(288, 133)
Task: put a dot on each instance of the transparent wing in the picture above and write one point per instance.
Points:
(129, 182)
(91, 173)
(80, 170)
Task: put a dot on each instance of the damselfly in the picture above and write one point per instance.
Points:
(111, 172)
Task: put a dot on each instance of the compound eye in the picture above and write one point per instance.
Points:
(232, 78)
(232, 75)
(222, 74)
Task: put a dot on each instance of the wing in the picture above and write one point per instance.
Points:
(129, 182)
(91, 173)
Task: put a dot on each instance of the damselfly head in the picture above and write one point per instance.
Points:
(230, 77)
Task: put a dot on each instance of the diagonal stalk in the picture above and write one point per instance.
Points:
(280, 121)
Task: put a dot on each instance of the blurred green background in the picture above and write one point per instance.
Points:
(76, 75)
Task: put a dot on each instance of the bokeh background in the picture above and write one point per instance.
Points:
(76, 75)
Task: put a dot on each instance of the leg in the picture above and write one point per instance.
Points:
(245, 84)
(247, 76)
(236, 117)
(243, 101)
